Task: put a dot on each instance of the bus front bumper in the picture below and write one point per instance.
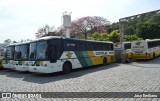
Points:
(8, 66)
(22, 68)
(42, 69)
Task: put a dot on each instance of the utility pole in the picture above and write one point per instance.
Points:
(121, 27)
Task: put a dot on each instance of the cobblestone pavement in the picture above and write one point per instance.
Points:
(139, 76)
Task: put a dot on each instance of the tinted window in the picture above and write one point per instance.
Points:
(10, 52)
(23, 51)
(127, 46)
(41, 50)
(32, 53)
(5, 53)
(69, 45)
(81, 46)
(89, 46)
(17, 52)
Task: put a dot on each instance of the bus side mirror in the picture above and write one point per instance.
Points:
(53, 60)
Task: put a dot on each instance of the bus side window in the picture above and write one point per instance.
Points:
(81, 46)
(111, 46)
(52, 53)
(89, 46)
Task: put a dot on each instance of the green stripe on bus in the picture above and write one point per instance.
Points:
(84, 61)
(88, 59)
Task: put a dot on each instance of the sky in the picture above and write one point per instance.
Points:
(20, 19)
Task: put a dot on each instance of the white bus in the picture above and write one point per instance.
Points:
(145, 49)
(8, 57)
(54, 54)
(21, 56)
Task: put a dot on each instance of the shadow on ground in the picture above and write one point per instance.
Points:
(150, 63)
(52, 77)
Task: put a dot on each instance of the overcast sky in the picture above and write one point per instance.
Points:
(20, 19)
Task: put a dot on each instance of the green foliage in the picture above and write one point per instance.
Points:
(131, 37)
(99, 37)
(150, 29)
(114, 36)
(146, 26)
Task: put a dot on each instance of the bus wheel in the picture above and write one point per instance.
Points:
(67, 67)
(154, 55)
(105, 61)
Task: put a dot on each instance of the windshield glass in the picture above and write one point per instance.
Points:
(10, 52)
(127, 46)
(41, 50)
(17, 53)
(32, 52)
(5, 53)
(23, 52)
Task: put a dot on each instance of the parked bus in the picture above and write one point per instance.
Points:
(54, 54)
(8, 57)
(21, 56)
(127, 48)
(145, 49)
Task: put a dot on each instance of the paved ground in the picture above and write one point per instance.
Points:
(140, 76)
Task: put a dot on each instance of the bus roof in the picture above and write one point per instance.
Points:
(152, 39)
(27, 42)
(147, 40)
(59, 37)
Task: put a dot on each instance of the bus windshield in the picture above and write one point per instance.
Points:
(10, 52)
(24, 51)
(5, 53)
(17, 53)
(38, 50)
(41, 50)
(32, 54)
(127, 46)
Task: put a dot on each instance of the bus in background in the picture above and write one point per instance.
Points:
(8, 57)
(127, 48)
(145, 49)
(54, 54)
(1, 54)
(21, 56)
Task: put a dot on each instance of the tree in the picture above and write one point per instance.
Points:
(14, 42)
(7, 41)
(44, 31)
(88, 25)
(114, 36)
(131, 37)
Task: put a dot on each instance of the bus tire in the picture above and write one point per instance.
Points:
(67, 67)
(105, 61)
(154, 55)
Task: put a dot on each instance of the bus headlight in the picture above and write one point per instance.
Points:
(45, 65)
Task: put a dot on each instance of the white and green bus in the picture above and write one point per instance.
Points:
(21, 56)
(54, 54)
(8, 57)
(145, 49)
